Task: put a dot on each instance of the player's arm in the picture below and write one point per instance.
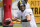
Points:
(28, 17)
(28, 14)
(18, 20)
(15, 18)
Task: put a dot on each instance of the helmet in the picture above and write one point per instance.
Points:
(20, 3)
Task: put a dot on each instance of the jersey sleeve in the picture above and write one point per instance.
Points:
(28, 11)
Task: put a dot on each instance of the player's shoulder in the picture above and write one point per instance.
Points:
(28, 4)
(28, 10)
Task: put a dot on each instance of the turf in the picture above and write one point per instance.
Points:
(38, 25)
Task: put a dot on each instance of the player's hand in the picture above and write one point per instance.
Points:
(14, 19)
(8, 21)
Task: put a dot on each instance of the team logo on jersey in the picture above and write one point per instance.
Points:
(21, 17)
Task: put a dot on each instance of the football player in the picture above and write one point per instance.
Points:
(27, 17)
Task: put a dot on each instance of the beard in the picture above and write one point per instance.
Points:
(22, 10)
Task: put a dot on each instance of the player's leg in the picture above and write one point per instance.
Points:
(27, 24)
(23, 24)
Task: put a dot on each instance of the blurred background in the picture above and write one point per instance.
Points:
(34, 5)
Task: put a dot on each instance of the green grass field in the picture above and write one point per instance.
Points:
(38, 25)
